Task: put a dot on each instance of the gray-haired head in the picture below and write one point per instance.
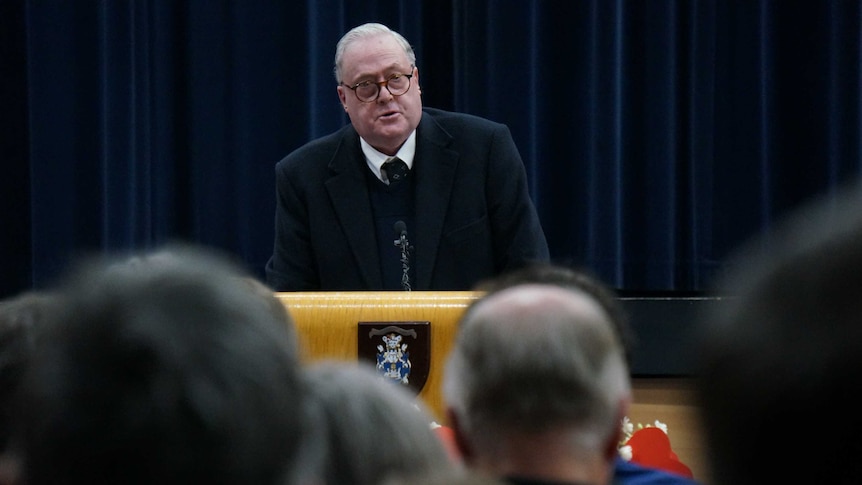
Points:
(365, 31)
(532, 358)
(365, 428)
(168, 367)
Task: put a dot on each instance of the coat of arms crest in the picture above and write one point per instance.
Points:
(399, 350)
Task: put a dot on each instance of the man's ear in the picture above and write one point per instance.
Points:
(461, 442)
(342, 96)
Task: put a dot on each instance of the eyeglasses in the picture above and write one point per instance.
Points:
(368, 91)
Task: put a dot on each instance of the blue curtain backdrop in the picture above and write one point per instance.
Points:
(658, 135)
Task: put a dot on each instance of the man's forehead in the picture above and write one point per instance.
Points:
(380, 50)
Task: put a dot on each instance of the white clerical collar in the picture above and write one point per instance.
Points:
(375, 158)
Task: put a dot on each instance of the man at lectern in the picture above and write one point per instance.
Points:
(402, 198)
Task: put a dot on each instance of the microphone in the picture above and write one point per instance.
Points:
(402, 243)
(400, 229)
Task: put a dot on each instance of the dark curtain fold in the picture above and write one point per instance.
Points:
(657, 135)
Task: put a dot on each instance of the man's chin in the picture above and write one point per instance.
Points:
(388, 144)
(390, 135)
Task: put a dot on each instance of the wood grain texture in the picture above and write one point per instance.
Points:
(327, 324)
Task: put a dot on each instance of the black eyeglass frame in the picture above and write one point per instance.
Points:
(381, 84)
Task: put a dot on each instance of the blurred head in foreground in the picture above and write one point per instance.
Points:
(781, 359)
(536, 385)
(368, 429)
(167, 367)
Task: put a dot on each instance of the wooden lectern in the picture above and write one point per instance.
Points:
(328, 324)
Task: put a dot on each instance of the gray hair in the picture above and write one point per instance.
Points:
(532, 358)
(351, 413)
(187, 356)
(366, 31)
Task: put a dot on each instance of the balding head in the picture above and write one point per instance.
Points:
(522, 304)
(535, 357)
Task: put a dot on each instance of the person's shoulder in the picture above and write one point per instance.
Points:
(457, 119)
(322, 147)
(629, 473)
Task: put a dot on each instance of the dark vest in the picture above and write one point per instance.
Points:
(390, 204)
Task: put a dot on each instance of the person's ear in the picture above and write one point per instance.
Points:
(342, 96)
(462, 444)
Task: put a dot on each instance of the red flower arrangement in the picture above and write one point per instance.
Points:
(650, 446)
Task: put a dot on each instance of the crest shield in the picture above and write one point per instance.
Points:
(399, 350)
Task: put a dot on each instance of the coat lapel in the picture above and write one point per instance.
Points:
(435, 166)
(348, 191)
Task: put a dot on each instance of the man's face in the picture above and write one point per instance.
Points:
(386, 122)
